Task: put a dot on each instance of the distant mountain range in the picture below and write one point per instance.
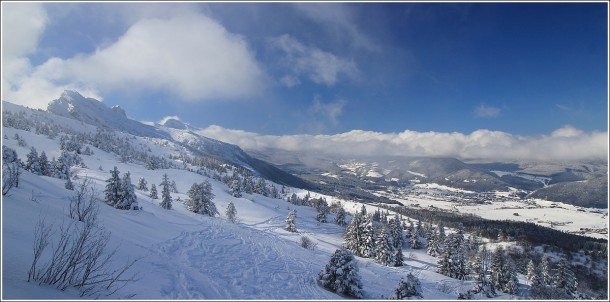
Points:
(581, 183)
(72, 104)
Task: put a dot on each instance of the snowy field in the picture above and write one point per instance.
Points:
(551, 214)
(188, 256)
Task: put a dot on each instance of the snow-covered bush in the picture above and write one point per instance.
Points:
(231, 212)
(307, 243)
(409, 287)
(341, 275)
(290, 221)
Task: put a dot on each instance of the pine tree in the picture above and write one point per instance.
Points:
(497, 278)
(531, 271)
(173, 187)
(128, 199)
(290, 221)
(459, 254)
(547, 275)
(235, 187)
(142, 184)
(433, 244)
(69, 185)
(384, 249)
(113, 191)
(565, 279)
(407, 288)
(510, 277)
(398, 257)
(32, 164)
(166, 198)
(231, 212)
(363, 211)
(396, 232)
(480, 268)
(353, 237)
(444, 264)
(322, 209)
(200, 199)
(340, 217)
(341, 275)
(44, 164)
(153, 192)
(367, 244)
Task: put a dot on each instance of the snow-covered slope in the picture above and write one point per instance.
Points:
(186, 255)
(72, 104)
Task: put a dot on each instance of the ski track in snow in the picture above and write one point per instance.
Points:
(268, 271)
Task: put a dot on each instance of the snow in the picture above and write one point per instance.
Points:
(541, 179)
(184, 255)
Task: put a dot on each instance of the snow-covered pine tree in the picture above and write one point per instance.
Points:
(367, 243)
(166, 198)
(231, 212)
(565, 279)
(173, 187)
(341, 275)
(407, 288)
(69, 185)
(396, 232)
(531, 271)
(363, 211)
(261, 187)
(291, 221)
(459, 254)
(433, 244)
(44, 164)
(497, 277)
(384, 249)
(480, 268)
(113, 191)
(398, 257)
(340, 217)
(235, 187)
(153, 192)
(444, 264)
(547, 275)
(32, 163)
(142, 184)
(128, 199)
(353, 237)
(415, 241)
(322, 209)
(510, 277)
(200, 199)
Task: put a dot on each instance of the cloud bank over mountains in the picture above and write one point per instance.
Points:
(564, 144)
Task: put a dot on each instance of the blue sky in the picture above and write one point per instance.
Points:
(320, 68)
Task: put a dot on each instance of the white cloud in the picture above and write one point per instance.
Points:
(321, 67)
(339, 18)
(480, 144)
(187, 55)
(331, 111)
(567, 131)
(485, 111)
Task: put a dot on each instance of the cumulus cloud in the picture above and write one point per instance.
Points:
(480, 144)
(484, 111)
(319, 66)
(188, 55)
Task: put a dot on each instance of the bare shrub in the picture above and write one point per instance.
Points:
(78, 257)
(307, 243)
(84, 204)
